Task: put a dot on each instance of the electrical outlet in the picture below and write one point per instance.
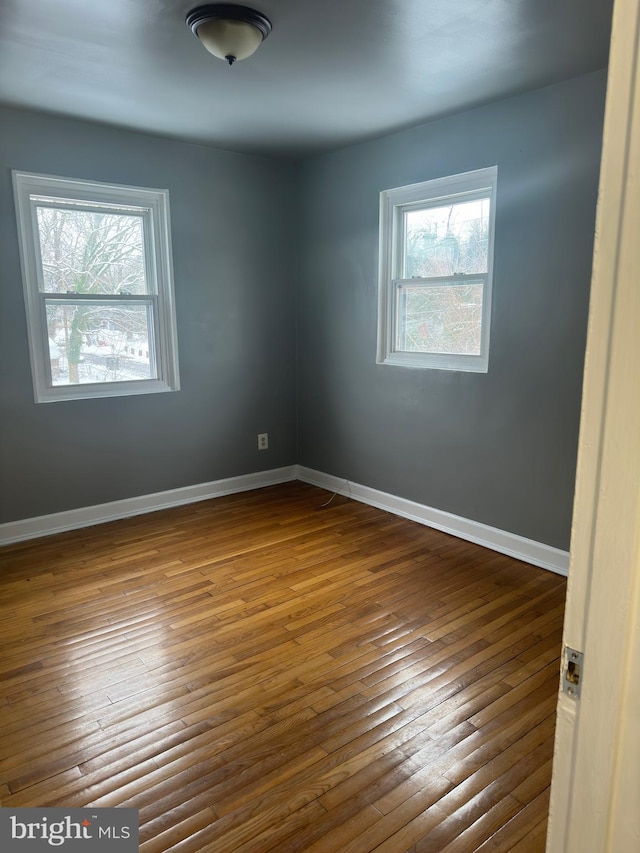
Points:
(263, 441)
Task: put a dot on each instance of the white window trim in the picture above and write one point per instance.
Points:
(155, 203)
(393, 203)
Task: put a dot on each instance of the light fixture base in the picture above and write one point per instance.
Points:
(228, 12)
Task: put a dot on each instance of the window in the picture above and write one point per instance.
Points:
(97, 275)
(436, 250)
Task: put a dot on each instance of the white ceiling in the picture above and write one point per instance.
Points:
(332, 72)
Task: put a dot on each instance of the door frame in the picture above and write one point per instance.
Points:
(595, 788)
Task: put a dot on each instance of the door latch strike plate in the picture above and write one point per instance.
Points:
(572, 672)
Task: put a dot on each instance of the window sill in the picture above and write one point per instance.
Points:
(431, 361)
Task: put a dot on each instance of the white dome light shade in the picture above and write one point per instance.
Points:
(227, 31)
(229, 38)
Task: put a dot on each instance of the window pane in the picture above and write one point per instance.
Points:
(93, 342)
(446, 319)
(91, 252)
(446, 240)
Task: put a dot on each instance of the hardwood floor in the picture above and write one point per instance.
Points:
(257, 673)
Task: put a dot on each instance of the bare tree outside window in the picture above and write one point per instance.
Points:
(445, 241)
(94, 253)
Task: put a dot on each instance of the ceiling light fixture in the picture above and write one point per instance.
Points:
(227, 31)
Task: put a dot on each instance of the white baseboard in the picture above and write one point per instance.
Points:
(516, 546)
(473, 531)
(45, 525)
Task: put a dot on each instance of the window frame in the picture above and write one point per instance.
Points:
(69, 193)
(480, 183)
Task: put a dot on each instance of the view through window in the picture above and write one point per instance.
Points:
(435, 272)
(98, 288)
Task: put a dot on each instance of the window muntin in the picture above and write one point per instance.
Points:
(436, 248)
(98, 288)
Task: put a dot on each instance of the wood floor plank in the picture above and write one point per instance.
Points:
(533, 836)
(260, 673)
(520, 828)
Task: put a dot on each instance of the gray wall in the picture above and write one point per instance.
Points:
(499, 448)
(234, 282)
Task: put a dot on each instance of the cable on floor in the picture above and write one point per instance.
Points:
(347, 484)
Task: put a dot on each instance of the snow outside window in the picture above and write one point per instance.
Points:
(97, 275)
